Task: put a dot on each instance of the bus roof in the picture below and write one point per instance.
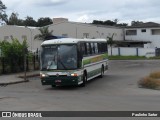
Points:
(69, 40)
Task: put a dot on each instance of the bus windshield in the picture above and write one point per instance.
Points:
(59, 57)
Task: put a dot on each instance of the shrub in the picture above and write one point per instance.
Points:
(13, 55)
(155, 75)
(149, 82)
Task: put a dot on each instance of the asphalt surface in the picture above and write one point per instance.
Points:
(116, 91)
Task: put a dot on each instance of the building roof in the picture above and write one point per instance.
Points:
(145, 25)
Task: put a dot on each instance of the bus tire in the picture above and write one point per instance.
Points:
(102, 72)
(84, 80)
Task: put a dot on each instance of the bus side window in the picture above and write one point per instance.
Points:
(88, 48)
(99, 48)
(96, 48)
(104, 47)
(84, 49)
(92, 48)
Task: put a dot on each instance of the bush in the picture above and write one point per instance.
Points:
(13, 55)
(152, 81)
(155, 75)
(148, 82)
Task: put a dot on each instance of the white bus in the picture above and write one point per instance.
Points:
(68, 61)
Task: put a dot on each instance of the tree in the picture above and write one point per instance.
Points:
(3, 15)
(97, 22)
(110, 23)
(30, 21)
(107, 22)
(115, 21)
(122, 25)
(44, 33)
(135, 23)
(110, 42)
(44, 22)
(13, 19)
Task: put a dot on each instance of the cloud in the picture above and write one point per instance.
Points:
(13, 4)
(83, 18)
(48, 2)
(87, 10)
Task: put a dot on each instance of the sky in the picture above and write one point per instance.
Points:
(87, 10)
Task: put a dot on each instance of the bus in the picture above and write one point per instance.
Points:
(72, 62)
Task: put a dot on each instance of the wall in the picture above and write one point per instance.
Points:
(76, 30)
(124, 51)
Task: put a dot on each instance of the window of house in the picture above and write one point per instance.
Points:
(65, 35)
(102, 34)
(85, 35)
(131, 32)
(6, 37)
(143, 30)
(155, 31)
(24, 37)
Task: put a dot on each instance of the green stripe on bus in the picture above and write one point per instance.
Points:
(95, 59)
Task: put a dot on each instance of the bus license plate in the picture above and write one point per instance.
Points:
(58, 81)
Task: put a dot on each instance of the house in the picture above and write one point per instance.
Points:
(147, 33)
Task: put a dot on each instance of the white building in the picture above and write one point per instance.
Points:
(84, 30)
(61, 27)
(144, 32)
(7, 32)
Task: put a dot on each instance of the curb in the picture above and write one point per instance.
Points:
(28, 76)
(20, 81)
(16, 82)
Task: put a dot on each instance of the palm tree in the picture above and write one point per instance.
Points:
(44, 33)
(110, 42)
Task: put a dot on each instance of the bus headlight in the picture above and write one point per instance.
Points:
(74, 74)
(44, 75)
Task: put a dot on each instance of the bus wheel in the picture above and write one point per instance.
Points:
(84, 80)
(102, 72)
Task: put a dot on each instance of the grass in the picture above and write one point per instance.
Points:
(157, 57)
(127, 57)
(132, 58)
(152, 81)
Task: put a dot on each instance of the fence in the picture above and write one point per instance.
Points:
(125, 51)
(7, 66)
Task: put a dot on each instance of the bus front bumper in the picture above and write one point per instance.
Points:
(60, 81)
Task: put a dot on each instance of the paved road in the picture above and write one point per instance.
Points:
(117, 91)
